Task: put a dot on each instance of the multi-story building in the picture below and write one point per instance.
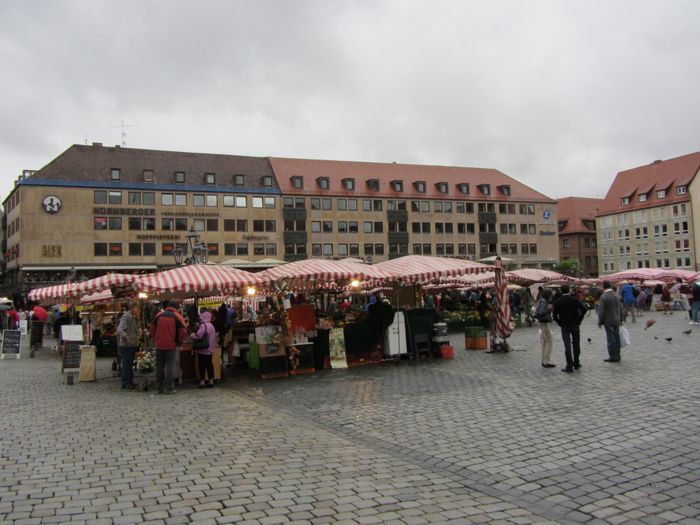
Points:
(577, 234)
(646, 218)
(95, 209)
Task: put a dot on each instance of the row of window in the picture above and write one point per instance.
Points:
(642, 216)
(660, 194)
(199, 200)
(102, 223)
(679, 245)
(660, 230)
(587, 243)
(178, 177)
(681, 262)
(348, 184)
(140, 249)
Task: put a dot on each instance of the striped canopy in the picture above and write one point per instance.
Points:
(536, 275)
(58, 291)
(425, 268)
(321, 271)
(105, 282)
(642, 274)
(196, 278)
(105, 296)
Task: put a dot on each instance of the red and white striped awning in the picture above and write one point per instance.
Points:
(536, 275)
(196, 278)
(424, 268)
(106, 282)
(322, 270)
(58, 291)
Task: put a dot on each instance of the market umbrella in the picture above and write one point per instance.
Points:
(502, 325)
(196, 278)
(643, 274)
(58, 291)
(414, 268)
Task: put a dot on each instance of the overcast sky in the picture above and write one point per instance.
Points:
(560, 95)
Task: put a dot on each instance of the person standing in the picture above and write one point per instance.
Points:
(543, 314)
(204, 355)
(628, 300)
(568, 312)
(610, 316)
(128, 340)
(167, 331)
(695, 307)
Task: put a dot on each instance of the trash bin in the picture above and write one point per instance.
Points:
(88, 363)
(36, 335)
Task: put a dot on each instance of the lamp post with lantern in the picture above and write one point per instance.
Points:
(196, 252)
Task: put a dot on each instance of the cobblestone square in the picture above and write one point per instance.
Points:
(483, 438)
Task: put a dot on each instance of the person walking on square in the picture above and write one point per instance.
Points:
(204, 355)
(610, 316)
(568, 312)
(128, 337)
(543, 314)
(167, 332)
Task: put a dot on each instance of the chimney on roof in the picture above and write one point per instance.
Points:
(96, 144)
(658, 161)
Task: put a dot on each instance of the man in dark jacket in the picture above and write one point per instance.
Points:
(568, 313)
(168, 330)
(610, 317)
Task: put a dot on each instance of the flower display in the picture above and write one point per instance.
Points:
(145, 362)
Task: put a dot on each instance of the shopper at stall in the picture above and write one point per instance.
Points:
(128, 341)
(206, 333)
(167, 331)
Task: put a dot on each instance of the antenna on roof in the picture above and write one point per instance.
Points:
(86, 138)
(123, 126)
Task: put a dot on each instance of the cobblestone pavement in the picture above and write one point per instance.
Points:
(484, 438)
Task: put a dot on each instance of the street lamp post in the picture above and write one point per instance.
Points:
(196, 252)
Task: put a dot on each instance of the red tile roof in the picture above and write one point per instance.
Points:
(667, 174)
(385, 173)
(575, 210)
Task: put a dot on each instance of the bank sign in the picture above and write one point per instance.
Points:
(547, 218)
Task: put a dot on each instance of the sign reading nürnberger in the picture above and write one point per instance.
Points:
(99, 210)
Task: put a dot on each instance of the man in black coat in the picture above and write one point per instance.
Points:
(568, 313)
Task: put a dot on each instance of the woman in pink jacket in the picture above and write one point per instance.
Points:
(204, 355)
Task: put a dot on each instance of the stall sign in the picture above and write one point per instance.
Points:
(71, 357)
(11, 343)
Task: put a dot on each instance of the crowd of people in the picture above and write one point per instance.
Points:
(613, 308)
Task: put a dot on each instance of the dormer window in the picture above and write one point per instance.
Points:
(562, 224)
(349, 184)
(209, 178)
(148, 176)
(397, 185)
(485, 189)
(441, 187)
(179, 177)
(373, 184)
(419, 186)
(504, 189)
(681, 190)
(298, 182)
(267, 181)
(642, 197)
(324, 183)
(463, 187)
(661, 194)
(238, 180)
(115, 174)
(625, 201)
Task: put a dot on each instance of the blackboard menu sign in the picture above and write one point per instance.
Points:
(11, 343)
(71, 356)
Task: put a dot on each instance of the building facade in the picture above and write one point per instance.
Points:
(95, 209)
(577, 233)
(646, 219)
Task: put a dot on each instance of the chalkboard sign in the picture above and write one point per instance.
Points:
(11, 343)
(71, 356)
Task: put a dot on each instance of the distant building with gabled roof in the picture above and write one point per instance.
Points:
(577, 232)
(646, 218)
